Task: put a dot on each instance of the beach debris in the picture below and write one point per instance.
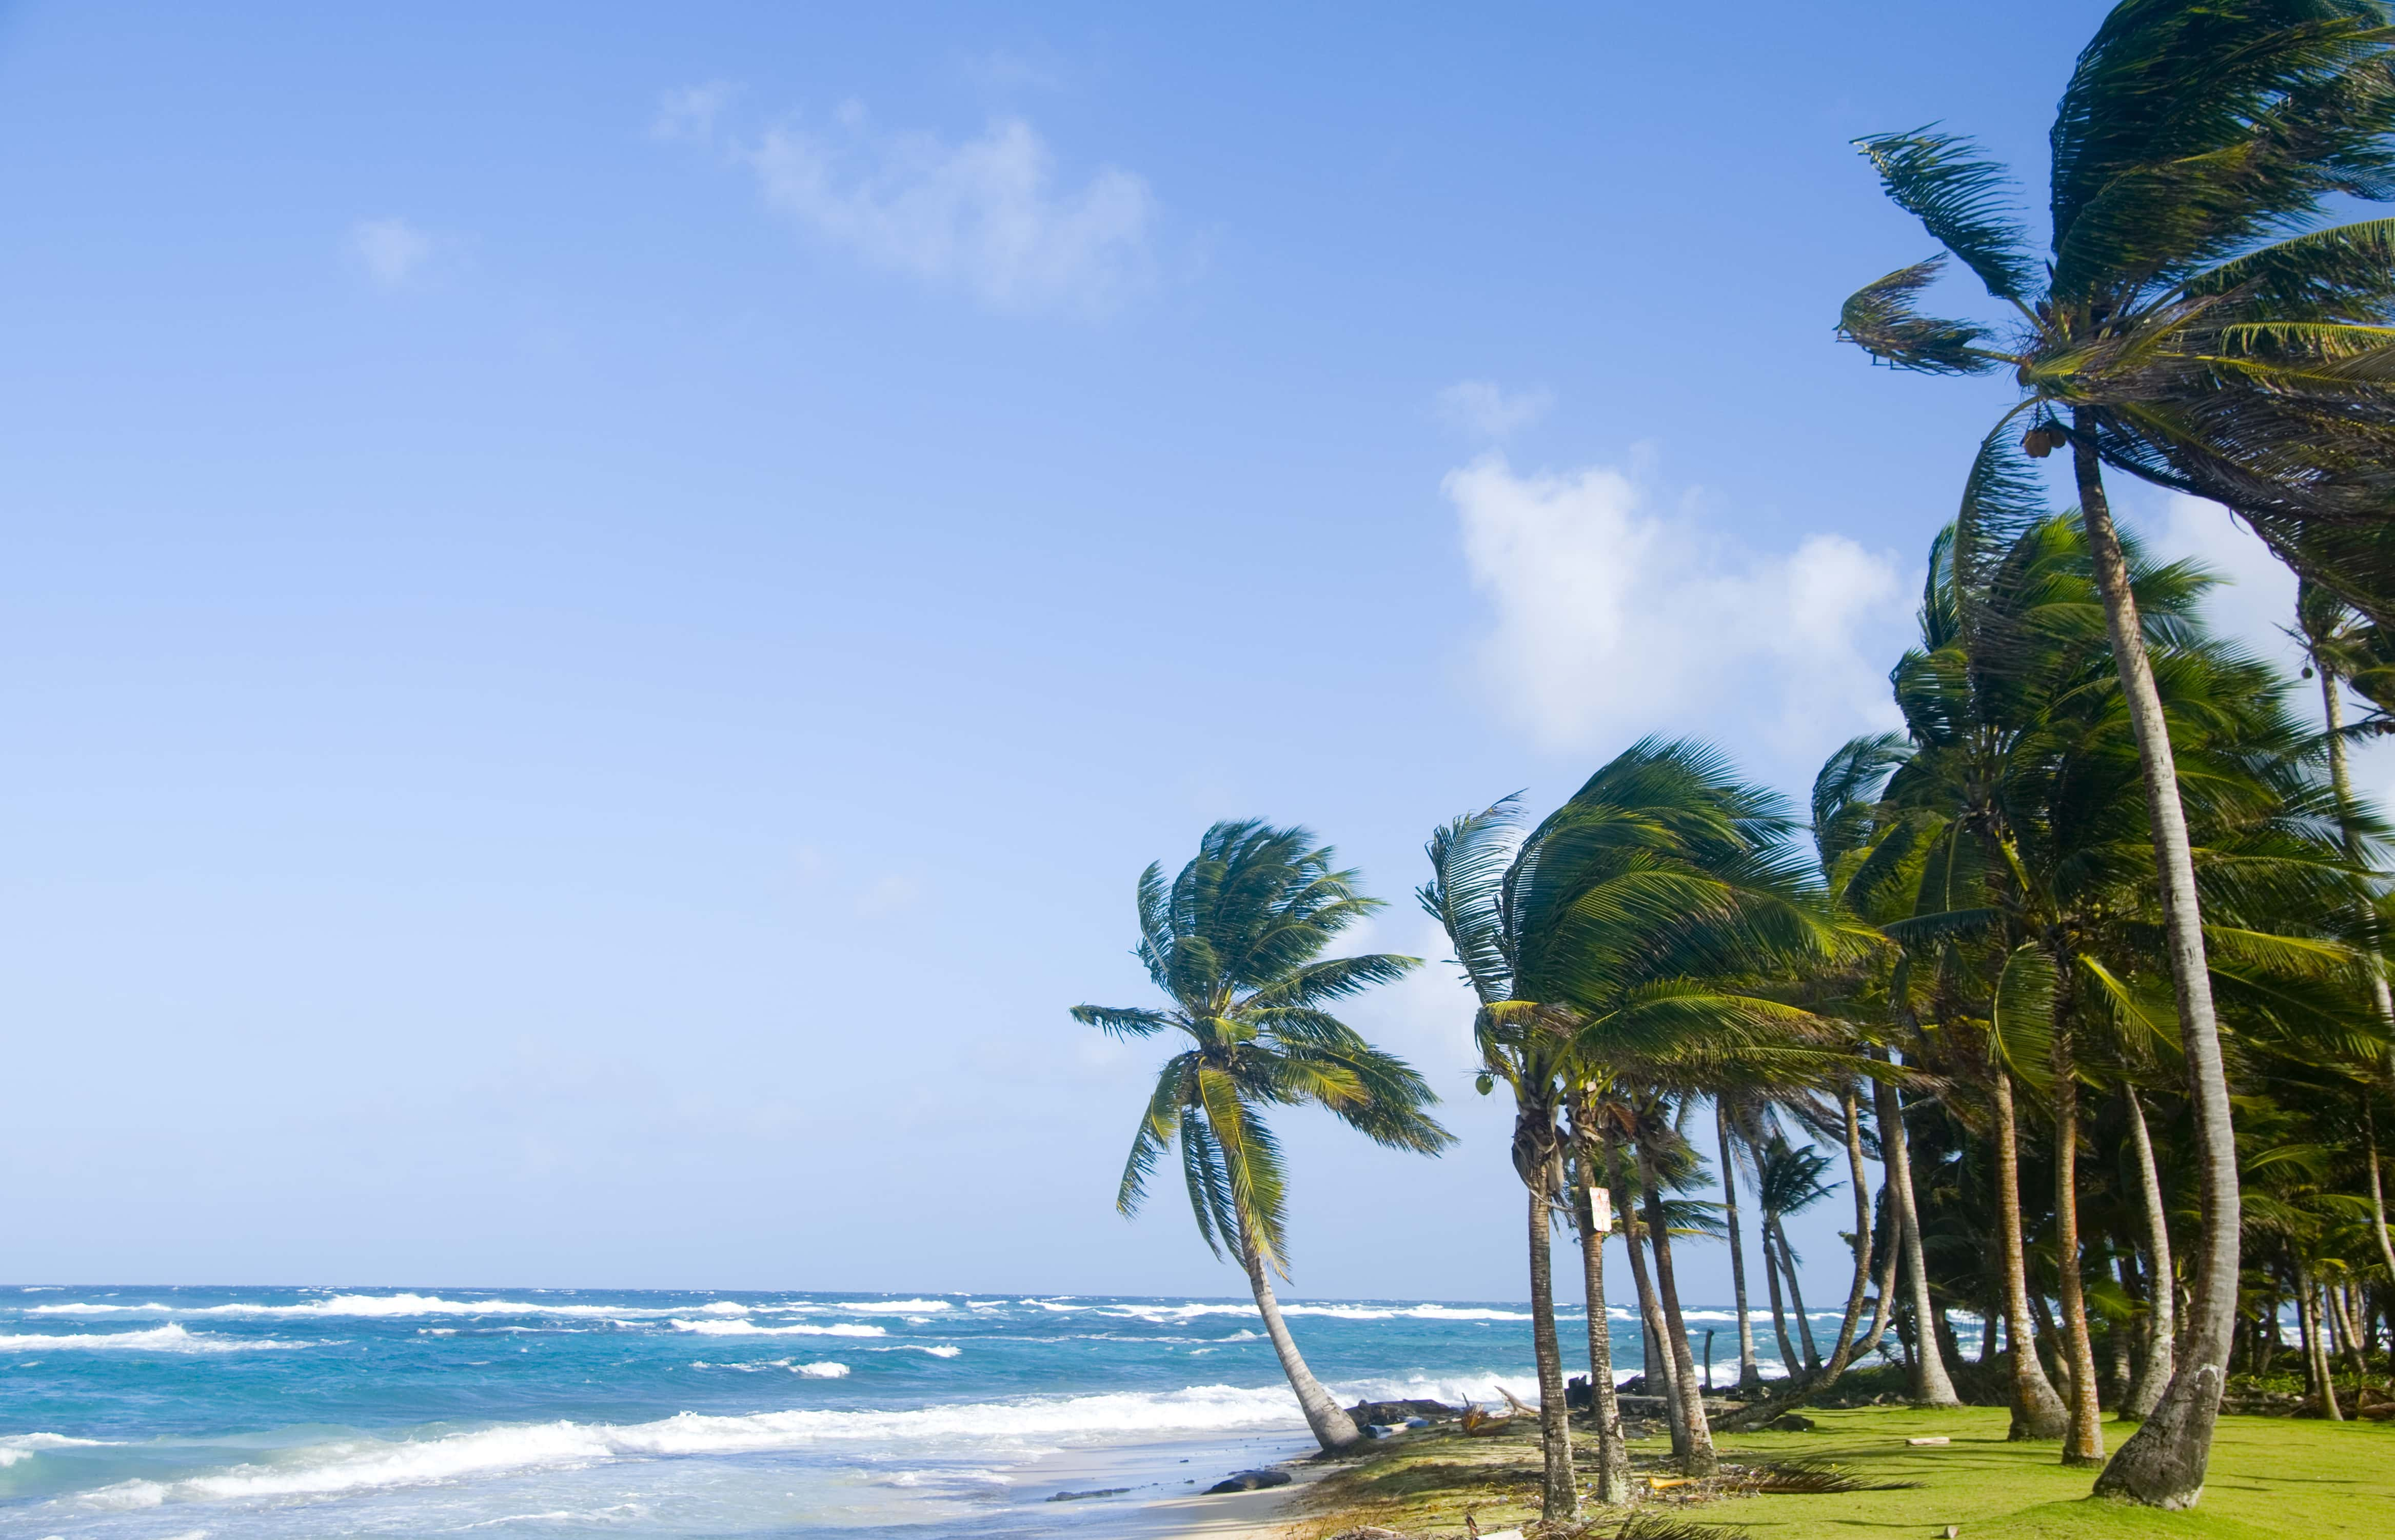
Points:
(1249, 1480)
(1480, 1425)
(1078, 1496)
(1954, 1532)
(1514, 1402)
(1371, 1532)
(1408, 1411)
(1919, 1443)
(1387, 1431)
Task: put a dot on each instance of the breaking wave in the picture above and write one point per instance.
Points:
(169, 1338)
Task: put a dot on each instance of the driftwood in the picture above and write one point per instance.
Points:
(1477, 1424)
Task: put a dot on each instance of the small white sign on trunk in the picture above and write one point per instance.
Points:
(1600, 1203)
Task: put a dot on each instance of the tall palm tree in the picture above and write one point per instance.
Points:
(2017, 830)
(2174, 339)
(1236, 943)
(1635, 919)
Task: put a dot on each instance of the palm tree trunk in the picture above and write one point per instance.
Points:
(1332, 1428)
(2377, 1196)
(2308, 1317)
(2164, 1462)
(1612, 1454)
(1856, 1291)
(1788, 1362)
(1750, 1375)
(1701, 1459)
(1885, 1281)
(2038, 1413)
(1559, 1492)
(2160, 1276)
(1931, 1385)
(1650, 1314)
(1795, 1295)
(2084, 1444)
(2333, 712)
(2348, 1338)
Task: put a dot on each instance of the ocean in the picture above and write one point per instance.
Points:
(279, 1413)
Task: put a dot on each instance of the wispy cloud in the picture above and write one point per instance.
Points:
(392, 251)
(1477, 408)
(1614, 617)
(688, 115)
(986, 215)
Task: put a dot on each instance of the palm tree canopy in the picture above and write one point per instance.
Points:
(2196, 323)
(1630, 930)
(1234, 941)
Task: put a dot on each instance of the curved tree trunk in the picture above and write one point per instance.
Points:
(2084, 1444)
(2164, 1461)
(1788, 1362)
(2333, 714)
(2162, 1285)
(1701, 1459)
(1842, 1351)
(2377, 1195)
(1651, 1315)
(1796, 1294)
(1332, 1428)
(1559, 1492)
(1750, 1375)
(1931, 1385)
(1612, 1454)
(2038, 1413)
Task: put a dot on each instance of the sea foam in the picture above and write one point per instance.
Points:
(1014, 1427)
(750, 1328)
(169, 1338)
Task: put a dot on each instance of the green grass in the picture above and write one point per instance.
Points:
(2270, 1477)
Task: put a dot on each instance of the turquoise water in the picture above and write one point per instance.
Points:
(149, 1413)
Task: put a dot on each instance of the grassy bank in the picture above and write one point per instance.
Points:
(2269, 1478)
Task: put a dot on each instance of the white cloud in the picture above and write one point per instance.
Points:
(984, 215)
(392, 250)
(687, 116)
(1478, 408)
(1615, 618)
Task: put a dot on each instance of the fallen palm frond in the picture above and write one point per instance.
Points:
(1657, 1526)
(1804, 1477)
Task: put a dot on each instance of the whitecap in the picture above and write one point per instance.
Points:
(750, 1328)
(169, 1338)
(15, 1447)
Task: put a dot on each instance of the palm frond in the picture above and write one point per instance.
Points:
(1963, 200)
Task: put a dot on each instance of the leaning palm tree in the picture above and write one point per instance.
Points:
(1788, 1181)
(2180, 332)
(1236, 943)
(1633, 924)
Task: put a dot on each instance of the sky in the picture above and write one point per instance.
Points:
(603, 602)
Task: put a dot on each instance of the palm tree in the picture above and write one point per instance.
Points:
(1235, 944)
(1750, 1375)
(1631, 923)
(2015, 835)
(1788, 1181)
(2168, 340)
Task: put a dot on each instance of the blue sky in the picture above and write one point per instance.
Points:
(605, 602)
